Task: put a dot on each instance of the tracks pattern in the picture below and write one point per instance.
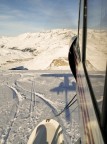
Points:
(6, 131)
(31, 97)
(33, 100)
(47, 102)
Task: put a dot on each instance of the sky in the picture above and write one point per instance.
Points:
(20, 16)
(97, 14)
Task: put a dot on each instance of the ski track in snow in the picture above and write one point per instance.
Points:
(32, 103)
(9, 127)
(41, 96)
(16, 88)
(47, 101)
(11, 122)
(51, 105)
(17, 93)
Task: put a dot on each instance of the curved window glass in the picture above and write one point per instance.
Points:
(96, 49)
(80, 25)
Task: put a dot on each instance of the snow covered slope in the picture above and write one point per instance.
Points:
(49, 50)
(35, 51)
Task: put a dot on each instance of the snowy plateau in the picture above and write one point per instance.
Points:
(40, 92)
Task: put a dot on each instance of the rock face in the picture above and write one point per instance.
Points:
(19, 68)
(59, 62)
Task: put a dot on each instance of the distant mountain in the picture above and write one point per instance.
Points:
(35, 51)
(49, 50)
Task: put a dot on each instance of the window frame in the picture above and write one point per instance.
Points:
(102, 118)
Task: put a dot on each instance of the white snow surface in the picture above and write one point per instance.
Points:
(27, 98)
(35, 51)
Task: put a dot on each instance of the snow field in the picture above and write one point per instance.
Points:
(33, 97)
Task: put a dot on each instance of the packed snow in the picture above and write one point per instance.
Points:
(27, 98)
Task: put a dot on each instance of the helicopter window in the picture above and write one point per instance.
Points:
(96, 49)
(80, 25)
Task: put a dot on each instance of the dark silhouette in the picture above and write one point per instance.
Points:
(41, 135)
(72, 57)
(19, 68)
(56, 136)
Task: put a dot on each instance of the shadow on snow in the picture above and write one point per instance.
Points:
(64, 86)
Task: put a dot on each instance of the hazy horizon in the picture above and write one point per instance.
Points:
(38, 31)
(18, 17)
